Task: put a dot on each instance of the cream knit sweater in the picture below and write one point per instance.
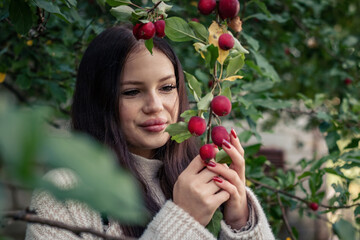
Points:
(170, 223)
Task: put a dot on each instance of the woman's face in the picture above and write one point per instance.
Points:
(149, 101)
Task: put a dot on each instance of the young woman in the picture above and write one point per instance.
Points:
(125, 98)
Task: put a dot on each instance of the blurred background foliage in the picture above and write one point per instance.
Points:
(304, 60)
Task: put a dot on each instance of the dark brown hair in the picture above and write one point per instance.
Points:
(96, 101)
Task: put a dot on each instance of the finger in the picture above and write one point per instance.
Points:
(227, 173)
(221, 197)
(206, 175)
(195, 166)
(234, 140)
(228, 187)
(238, 161)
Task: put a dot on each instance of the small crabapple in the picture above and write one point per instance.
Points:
(221, 105)
(196, 126)
(218, 134)
(207, 152)
(206, 6)
(228, 8)
(160, 28)
(226, 41)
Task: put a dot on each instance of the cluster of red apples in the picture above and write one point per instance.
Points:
(227, 9)
(148, 30)
(221, 106)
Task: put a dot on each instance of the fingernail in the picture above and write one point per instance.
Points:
(226, 144)
(217, 179)
(211, 164)
(233, 133)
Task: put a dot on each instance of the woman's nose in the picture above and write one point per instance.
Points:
(153, 103)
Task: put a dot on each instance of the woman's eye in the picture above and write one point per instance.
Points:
(130, 92)
(168, 88)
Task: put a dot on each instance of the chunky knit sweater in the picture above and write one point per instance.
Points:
(170, 223)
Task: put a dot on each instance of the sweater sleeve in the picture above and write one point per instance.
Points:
(173, 223)
(258, 229)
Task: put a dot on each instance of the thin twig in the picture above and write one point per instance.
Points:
(296, 197)
(285, 218)
(32, 218)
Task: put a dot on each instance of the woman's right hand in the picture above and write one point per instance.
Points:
(196, 192)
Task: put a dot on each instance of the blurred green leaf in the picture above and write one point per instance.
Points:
(194, 85)
(344, 230)
(178, 30)
(20, 15)
(204, 102)
(214, 225)
(222, 157)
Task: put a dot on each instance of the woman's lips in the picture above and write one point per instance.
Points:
(154, 125)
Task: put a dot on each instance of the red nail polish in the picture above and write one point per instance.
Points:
(217, 179)
(211, 164)
(233, 133)
(226, 144)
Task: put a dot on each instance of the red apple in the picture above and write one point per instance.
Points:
(314, 206)
(160, 28)
(136, 30)
(197, 126)
(206, 6)
(207, 152)
(221, 105)
(218, 134)
(226, 41)
(146, 31)
(228, 8)
(347, 81)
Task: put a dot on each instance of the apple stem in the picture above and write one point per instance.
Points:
(209, 126)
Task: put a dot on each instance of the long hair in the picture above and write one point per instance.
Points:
(96, 103)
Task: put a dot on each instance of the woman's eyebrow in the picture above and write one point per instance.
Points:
(134, 82)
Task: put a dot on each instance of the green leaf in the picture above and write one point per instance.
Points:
(245, 136)
(51, 8)
(76, 151)
(214, 225)
(331, 139)
(238, 46)
(227, 93)
(263, 7)
(200, 30)
(149, 45)
(177, 128)
(178, 30)
(204, 102)
(344, 230)
(178, 131)
(179, 138)
(258, 86)
(211, 54)
(304, 175)
(273, 104)
(188, 114)
(122, 13)
(266, 66)
(194, 85)
(115, 3)
(223, 157)
(252, 149)
(72, 3)
(23, 81)
(251, 41)
(235, 64)
(20, 15)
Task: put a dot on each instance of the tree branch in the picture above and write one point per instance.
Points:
(285, 218)
(30, 217)
(296, 197)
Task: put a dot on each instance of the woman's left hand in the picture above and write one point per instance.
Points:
(232, 180)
